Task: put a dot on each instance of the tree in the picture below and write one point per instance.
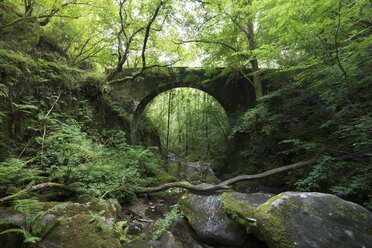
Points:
(190, 123)
(225, 30)
(42, 11)
(133, 21)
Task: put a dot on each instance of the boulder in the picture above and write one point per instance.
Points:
(71, 226)
(10, 240)
(207, 215)
(296, 219)
(167, 240)
(76, 228)
(240, 207)
(184, 234)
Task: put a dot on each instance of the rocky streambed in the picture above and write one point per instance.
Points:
(214, 220)
(252, 220)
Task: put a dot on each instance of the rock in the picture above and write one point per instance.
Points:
(13, 239)
(207, 217)
(143, 244)
(10, 240)
(167, 240)
(76, 229)
(184, 234)
(240, 207)
(212, 180)
(295, 219)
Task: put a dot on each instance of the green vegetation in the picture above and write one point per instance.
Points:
(32, 225)
(169, 219)
(308, 64)
(239, 211)
(190, 123)
(121, 232)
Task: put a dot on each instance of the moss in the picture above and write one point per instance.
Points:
(186, 183)
(239, 211)
(210, 179)
(270, 225)
(76, 231)
(342, 211)
(95, 205)
(194, 217)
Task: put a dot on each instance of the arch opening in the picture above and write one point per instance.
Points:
(190, 122)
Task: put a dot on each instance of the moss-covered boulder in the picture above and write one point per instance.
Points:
(207, 217)
(83, 225)
(240, 207)
(296, 219)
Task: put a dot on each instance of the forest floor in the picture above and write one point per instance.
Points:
(144, 218)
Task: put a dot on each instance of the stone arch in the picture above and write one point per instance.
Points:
(163, 88)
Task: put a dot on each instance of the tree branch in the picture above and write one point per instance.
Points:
(227, 183)
(30, 188)
(208, 42)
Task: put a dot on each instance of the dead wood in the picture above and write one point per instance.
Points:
(227, 183)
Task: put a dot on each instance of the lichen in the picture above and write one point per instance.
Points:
(270, 226)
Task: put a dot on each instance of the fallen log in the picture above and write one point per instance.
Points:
(184, 185)
(227, 183)
(30, 188)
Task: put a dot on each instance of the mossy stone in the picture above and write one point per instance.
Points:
(75, 229)
(206, 215)
(240, 207)
(297, 219)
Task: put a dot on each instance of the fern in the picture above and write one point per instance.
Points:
(99, 219)
(16, 173)
(42, 230)
(122, 233)
(32, 227)
(28, 237)
(168, 220)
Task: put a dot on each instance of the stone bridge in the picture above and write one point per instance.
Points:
(232, 91)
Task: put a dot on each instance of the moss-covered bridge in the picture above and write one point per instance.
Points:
(229, 88)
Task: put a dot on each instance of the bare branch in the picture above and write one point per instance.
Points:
(208, 42)
(227, 183)
(123, 59)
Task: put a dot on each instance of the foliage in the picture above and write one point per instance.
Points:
(15, 174)
(98, 219)
(168, 220)
(122, 233)
(197, 126)
(322, 110)
(289, 126)
(32, 226)
(102, 169)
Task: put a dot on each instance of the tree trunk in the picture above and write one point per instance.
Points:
(252, 46)
(168, 125)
